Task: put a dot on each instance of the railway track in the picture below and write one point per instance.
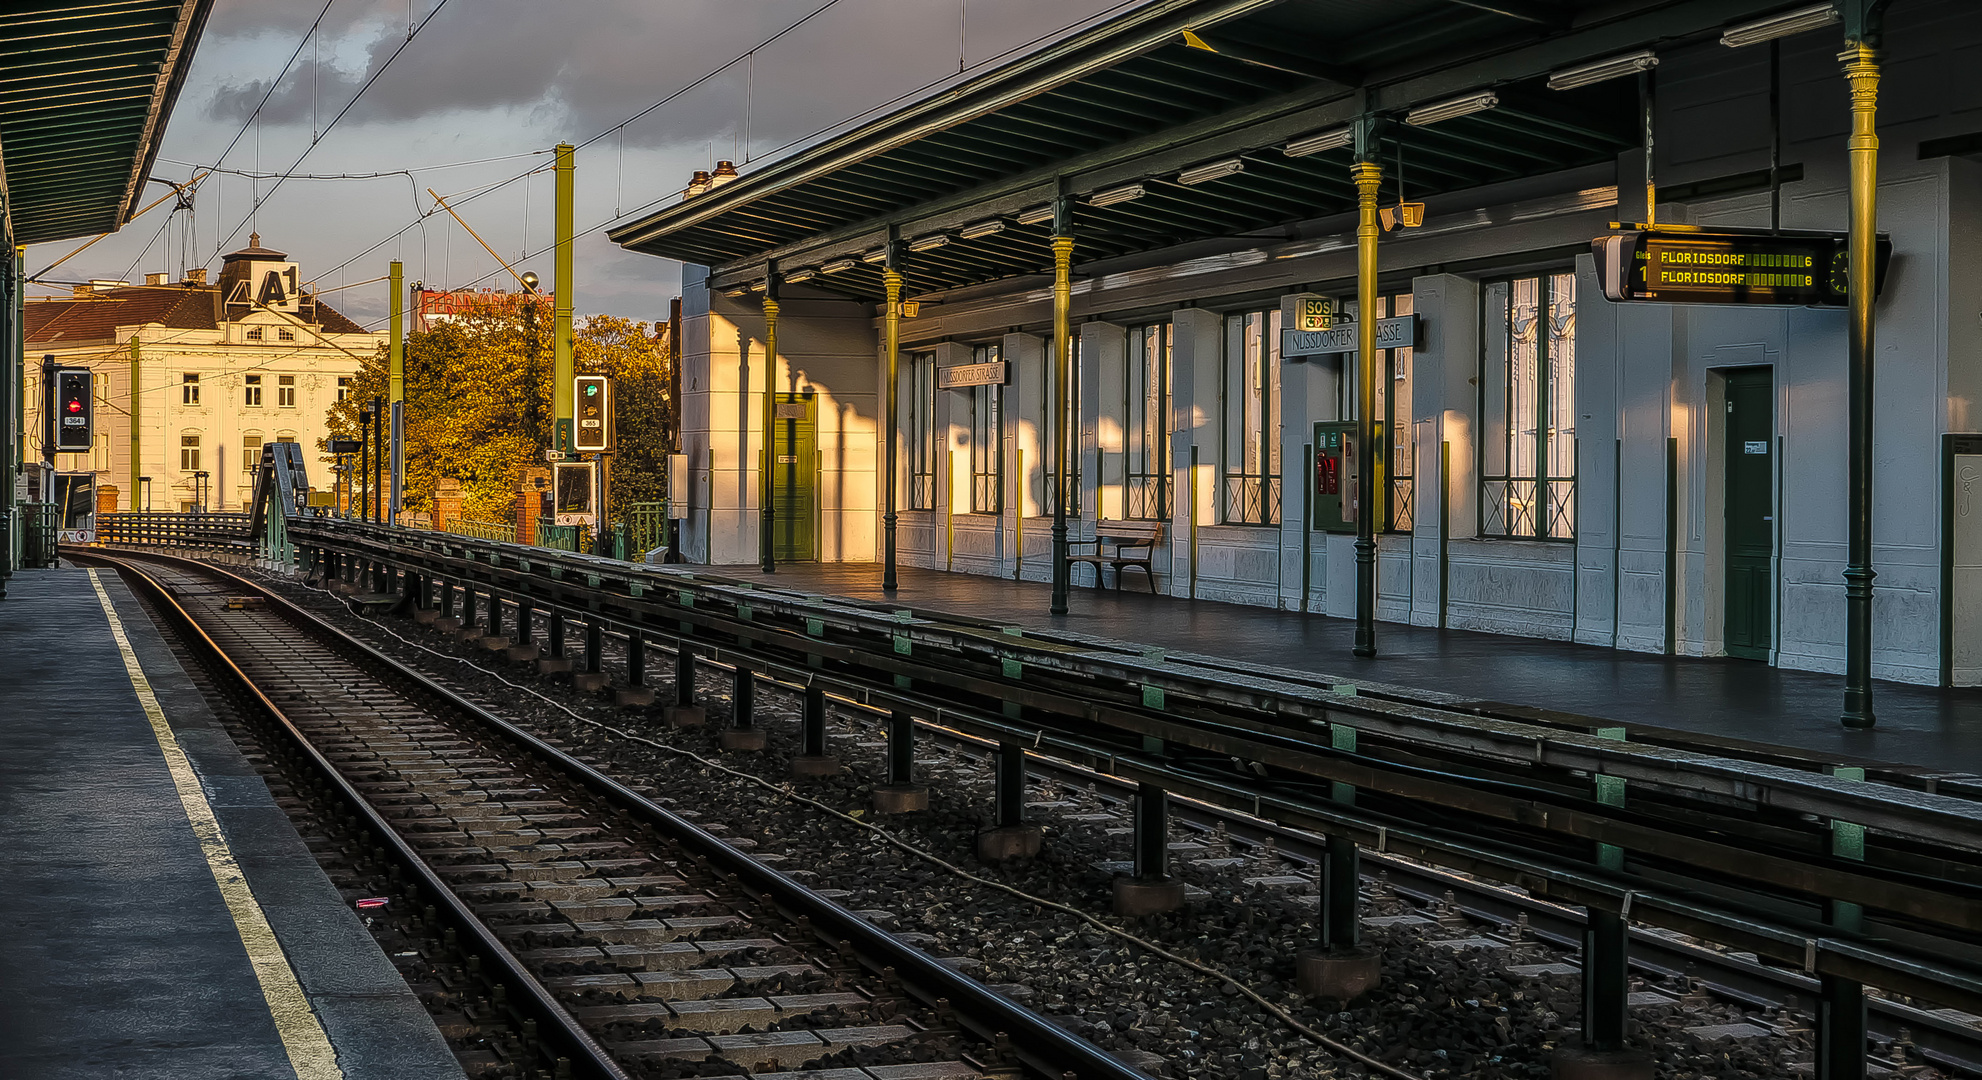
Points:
(579, 928)
(1733, 837)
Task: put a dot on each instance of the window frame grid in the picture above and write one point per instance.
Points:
(1050, 488)
(1249, 496)
(921, 431)
(987, 441)
(1146, 491)
(1549, 515)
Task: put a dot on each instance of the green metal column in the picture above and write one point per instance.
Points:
(561, 404)
(396, 390)
(1063, 299)
(767, 527)
(1861, 67)
(1368, 177)
(137, 413)
(891, 280)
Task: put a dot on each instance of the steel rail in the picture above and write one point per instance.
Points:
(649, 601)
(1048, 1049)
(1886, 809)
(555, 1024)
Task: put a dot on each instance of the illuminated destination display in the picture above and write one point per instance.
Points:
(1793, 270)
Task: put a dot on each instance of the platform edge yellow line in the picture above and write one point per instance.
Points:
(303, 1037)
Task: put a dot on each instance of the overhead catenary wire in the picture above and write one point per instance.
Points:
(261, 197)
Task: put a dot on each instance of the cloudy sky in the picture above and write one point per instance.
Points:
(506, 80)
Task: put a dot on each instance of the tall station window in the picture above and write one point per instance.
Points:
(285, 391)
(189, 389)
(189, 453)
(1250, 392)
(252, 390)
(1046, 441)
(1393, 410)
(987, 438)
(1146, 424)
(1528, 407)
(251, 451)
(919, 429)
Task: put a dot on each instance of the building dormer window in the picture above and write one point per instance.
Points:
(283, 333)
(254, 333)
(253, 385)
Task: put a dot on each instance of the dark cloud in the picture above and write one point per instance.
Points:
(581, 68)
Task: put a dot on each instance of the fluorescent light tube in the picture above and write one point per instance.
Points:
(1603, 70)
(1447, 110)
(1320, 144)
(981, 229)
(1116, 195)
(1038, 215)
(836, 266)
(928, 243)
(879, 254)
(1783, 25)
(797, 276)
(1216, 170)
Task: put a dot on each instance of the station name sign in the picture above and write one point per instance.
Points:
(1800, 269)
(1399, 332)
(959, 376)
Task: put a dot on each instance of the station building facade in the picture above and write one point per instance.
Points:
(192, 377)
(1641, 476)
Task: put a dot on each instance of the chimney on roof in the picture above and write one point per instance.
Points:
(196, 276)
(81, 292)
(725, 172)
(697, 184)
(159, 278)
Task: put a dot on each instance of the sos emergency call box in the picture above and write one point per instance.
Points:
(1333, 494)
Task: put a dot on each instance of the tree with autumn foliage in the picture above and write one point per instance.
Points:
(478, 405)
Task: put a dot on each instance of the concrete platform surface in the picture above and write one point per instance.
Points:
(1736, 699)
(125, 934)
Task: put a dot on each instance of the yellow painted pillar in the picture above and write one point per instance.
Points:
(1368, 176)
(137, 413)
(767, 523)
(891, 281)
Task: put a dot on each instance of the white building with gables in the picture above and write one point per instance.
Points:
(193, 377)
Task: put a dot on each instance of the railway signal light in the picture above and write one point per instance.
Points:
(592, 434)
(74, 410)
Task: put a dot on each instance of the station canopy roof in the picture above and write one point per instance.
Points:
(1147, 97)
(86, 87)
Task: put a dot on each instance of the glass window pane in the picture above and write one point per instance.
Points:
(1493, 381)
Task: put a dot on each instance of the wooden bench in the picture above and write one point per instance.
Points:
(1134, 543)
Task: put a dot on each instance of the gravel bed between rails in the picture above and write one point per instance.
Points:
(1448, 1006)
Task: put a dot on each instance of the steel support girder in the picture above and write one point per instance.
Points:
(1255, 742)
(1824, 955)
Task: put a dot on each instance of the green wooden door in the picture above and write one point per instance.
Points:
(1750, 513)
(794, 476)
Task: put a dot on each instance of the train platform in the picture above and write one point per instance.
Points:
(161, 916)
(1722, 697)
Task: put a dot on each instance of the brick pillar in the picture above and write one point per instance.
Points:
(530, 487)
(106, 499)
(447, 502)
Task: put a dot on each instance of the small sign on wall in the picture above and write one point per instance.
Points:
(1400, 332)
(959, 376)
(1312, 313)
